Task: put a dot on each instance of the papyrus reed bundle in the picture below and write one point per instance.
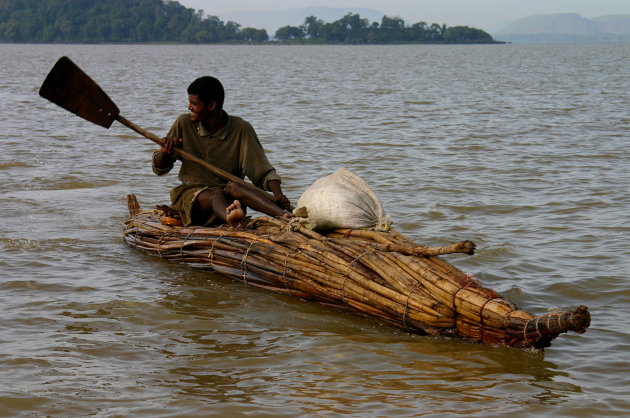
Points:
(380, 274)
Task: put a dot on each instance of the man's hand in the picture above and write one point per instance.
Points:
(281, 199)
(164, 158)
(169, 145)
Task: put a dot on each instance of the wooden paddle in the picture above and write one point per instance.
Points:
(69, 87)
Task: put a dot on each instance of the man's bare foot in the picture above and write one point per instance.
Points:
(234, 214)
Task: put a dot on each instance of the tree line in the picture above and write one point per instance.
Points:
(97, 21)
(94, 21)
(353, 29)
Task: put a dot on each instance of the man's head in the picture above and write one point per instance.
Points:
(208, 89)
(205, 98)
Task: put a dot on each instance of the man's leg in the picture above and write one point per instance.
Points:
(214, 201)
(254, 200)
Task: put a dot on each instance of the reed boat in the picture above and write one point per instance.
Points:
(383, 275)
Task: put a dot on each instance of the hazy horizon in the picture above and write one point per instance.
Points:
(482, 14)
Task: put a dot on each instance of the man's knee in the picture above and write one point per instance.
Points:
(234, 190)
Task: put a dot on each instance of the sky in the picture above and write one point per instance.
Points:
(481, 14)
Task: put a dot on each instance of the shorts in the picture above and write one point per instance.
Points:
(184, 198)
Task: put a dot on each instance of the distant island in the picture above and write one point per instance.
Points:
(566, 27)
(167, 21)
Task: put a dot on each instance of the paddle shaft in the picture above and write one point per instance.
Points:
(214, 170)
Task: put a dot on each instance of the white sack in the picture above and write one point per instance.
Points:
(342, 200)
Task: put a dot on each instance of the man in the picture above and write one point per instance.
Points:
(227, 142)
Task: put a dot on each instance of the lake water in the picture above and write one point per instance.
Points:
(523, 149)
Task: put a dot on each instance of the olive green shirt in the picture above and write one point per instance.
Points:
(235, 149)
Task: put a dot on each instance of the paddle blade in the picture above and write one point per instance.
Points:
(69, 87)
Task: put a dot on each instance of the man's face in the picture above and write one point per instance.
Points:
(198, 109)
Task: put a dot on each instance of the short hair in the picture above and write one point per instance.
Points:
(208, 89)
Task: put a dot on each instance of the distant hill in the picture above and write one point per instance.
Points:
(272, 20)
(617, 24)
(566, 27)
